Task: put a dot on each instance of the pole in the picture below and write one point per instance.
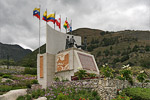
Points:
(39, 28)
(66, 28)
(60, 23)
(71, 27)
(54, 20)
(46, 16)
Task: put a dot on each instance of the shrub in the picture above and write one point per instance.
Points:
(141, 77)
(120, 97)
(28, 84)
(94, 93)
(138, 93)
(124, 58)
(126, 74)
(107, 71)
(6, 76)
(1, 74)
(37, 93)
(5, 88)
(56, 79)
(34, 81)
(62, 97)
(81, 74)
(21, 98)
(28, 97)
(145, 63)
(92, 75)
(32, 71)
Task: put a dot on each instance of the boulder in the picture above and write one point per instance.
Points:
(13, 94)
(41, 98)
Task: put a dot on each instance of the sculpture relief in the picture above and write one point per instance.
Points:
(63, 62)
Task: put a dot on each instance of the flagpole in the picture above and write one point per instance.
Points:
(66, 28)
(60, 23)
(71, 27)
(54, 20)
(46, 16)
(39, 28)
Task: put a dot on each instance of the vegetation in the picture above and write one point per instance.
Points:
(138, 93)
(17, 82)
(60, 92)
(32, 71)
(106, 71)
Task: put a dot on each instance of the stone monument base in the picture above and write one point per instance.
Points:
(64, 65)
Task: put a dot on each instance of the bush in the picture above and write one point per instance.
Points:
(5, 88)
(107, 71)
(138, 93)
(61, 97)
(94, 93)
(124, 58)
(6, 76)
(28, 97)
(21, 98)
(1, 74)
(34, 81)
(141, 77)
(120, 97)
(32, 71)
(145, 63)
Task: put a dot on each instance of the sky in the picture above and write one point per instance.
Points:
(18, 26)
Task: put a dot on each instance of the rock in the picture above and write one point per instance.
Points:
(41, 98)
(5, 79)
(13, 94)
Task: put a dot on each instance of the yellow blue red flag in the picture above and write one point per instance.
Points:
(45, 16)
(36, 12)
(51, 17)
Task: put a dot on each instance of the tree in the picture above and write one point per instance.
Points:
(116, 60)
(106, 52)
(124, 58)
(110, 47)
(98, 54)
(135, 48)
(147, 48)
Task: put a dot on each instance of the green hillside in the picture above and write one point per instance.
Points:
(12, 52)
(114, 48)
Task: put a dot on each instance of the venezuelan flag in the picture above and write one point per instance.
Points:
(36, 12)
(51, 18)
(45, 16)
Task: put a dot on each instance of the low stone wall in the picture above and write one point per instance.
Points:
(107, 88)
(13, 67)
(13, 94)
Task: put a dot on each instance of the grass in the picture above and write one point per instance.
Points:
(138, 93)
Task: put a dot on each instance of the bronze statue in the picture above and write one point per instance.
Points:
(72, 41)
(84, 45)
(67, 43)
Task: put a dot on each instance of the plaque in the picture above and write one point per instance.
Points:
(87, 62)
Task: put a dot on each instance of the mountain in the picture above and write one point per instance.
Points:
(115, 48)
(14, 52)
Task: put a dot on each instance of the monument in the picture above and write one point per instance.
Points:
(61, 60)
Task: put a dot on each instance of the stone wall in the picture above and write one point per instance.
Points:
(107, 88)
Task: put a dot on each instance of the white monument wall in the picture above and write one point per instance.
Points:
(56, 41)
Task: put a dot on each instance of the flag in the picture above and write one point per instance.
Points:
(51, 18)
(45, 16)
(36, 12)
(58, 22)
(70, 27)
(66, 25)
